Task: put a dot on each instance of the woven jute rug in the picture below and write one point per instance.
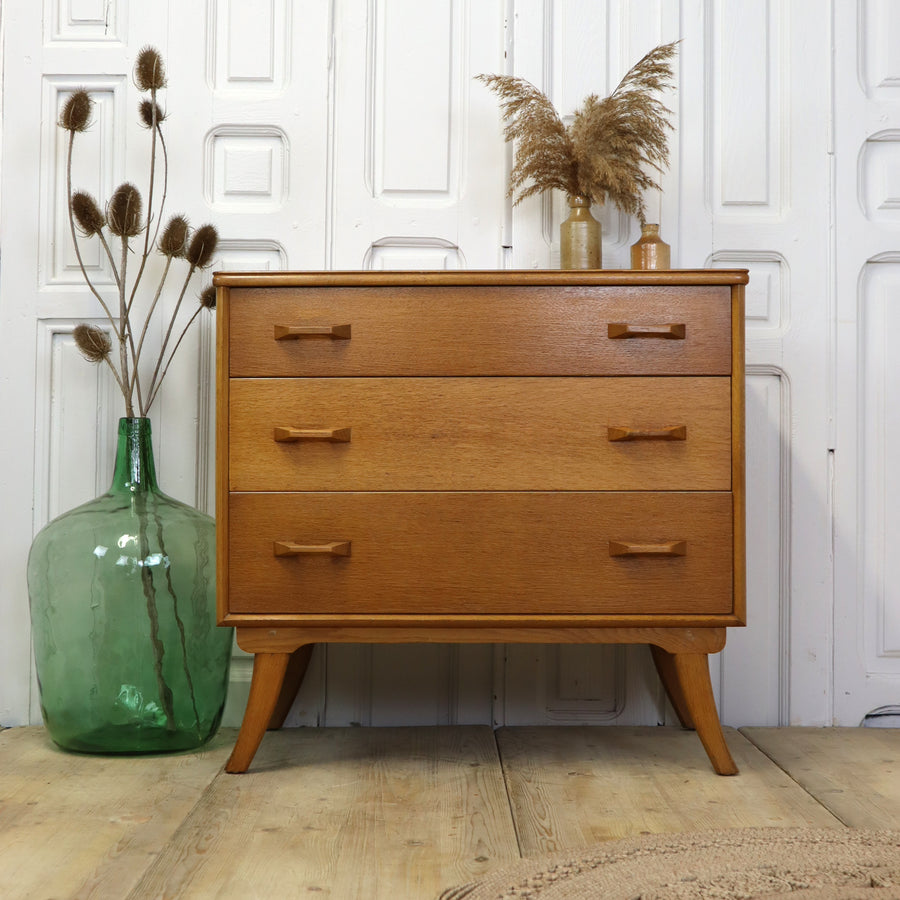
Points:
(755, 863)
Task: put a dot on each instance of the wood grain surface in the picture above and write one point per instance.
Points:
(479, 329)
(400, 814)
(604, 783)
(83, 826)
(480, 552)
(506, 434)
(345, 813)
(855, 772)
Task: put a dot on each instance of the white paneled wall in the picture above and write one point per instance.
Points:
(867, 526)
(352, 134)
(417, 148)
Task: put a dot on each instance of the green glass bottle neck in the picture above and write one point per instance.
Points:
(135, 471)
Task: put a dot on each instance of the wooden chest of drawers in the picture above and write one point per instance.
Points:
(480, 457)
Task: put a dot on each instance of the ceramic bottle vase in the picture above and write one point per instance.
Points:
(579, 237)
(128, 655)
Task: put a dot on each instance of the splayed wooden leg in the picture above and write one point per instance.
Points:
(688, 674)
(665, 667)
(265, 688)
(293, 678)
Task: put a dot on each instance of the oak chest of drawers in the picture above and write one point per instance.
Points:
(481, 457)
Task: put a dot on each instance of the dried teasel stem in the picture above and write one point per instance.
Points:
(87, 214)
(93, 342)
(150, 70)
(76, 111)
(199, 254)
(124, 332)
(75, 243)
(123, 216)
(172, 244)
(153, 303)
(207, 301)
(96, 346)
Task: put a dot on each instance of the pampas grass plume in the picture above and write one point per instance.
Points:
(606, 152)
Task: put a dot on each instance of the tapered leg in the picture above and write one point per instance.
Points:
(265, 688)
(293, 678)
(693, 689)
(665, 667)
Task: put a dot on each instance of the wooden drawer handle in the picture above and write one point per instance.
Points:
(666, 433)
(622, 330)
(287, 435)
(332, 548)
(296, 332)
(629, 548)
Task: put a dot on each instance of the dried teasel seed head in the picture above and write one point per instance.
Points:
(173, 241)
(76, 111)
(87, 213)
(149, 70)
(146, 110)
(94, 343)
(202, 246)
(208, 297)
(123, 212)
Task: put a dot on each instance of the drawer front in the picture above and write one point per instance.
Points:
(479, 330)
(471, 552)
(508, 434)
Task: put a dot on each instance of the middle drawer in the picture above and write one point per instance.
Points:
(509, 434)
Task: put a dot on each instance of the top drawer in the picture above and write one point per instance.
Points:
(479, 330)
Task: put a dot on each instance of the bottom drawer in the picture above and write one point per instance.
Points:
(480, 552)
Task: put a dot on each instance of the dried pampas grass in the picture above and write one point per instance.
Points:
(607, 150)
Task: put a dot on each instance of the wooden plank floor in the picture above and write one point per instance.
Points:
(397, 813)
(855, 772)
(602, 784)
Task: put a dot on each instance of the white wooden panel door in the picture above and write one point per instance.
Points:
(867, 532)
(418, 154)
(351, 134)
(572, 48)
(247, 138)
(59, 413)
(765, 183)
(748, 187)
(417, 182)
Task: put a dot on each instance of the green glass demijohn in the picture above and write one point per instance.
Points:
(128, 655)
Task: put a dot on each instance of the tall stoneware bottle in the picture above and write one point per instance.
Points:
(579, 237)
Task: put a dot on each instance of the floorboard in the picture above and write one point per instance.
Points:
(401, 813)
(88, 826)
(855, 772)
(573, 787)
(350, 813)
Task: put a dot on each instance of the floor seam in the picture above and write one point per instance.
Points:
(768, 756)
(509, 799)
(137, 891)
